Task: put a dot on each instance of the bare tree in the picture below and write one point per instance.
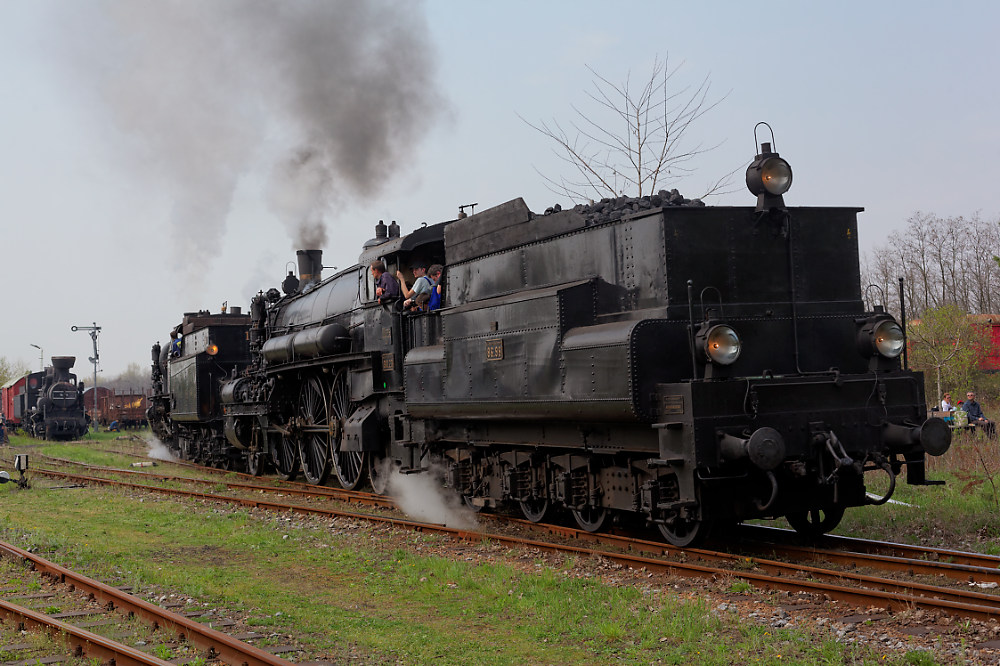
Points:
(944, 261)
(135, 377)
(635, 141)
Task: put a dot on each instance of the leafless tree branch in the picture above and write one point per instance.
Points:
(635, 141)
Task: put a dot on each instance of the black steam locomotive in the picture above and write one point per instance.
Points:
(51, 406)
(646, 358)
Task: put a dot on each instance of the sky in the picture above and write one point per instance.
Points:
(164, 157)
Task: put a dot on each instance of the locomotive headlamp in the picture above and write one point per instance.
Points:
(768, 176)
(721, 344)
(212, 349)
(888, 339)
(881, 335)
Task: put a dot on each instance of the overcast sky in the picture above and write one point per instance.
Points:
(150, 151)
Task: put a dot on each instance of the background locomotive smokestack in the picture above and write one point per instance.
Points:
(310, 266)
(61, 366)
(338, 94)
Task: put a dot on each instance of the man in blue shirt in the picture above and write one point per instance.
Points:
(976, 416)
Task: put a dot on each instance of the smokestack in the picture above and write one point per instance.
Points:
(61, 366)
(310, 266)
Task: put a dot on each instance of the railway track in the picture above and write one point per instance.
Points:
(828, 579)
(74, 610)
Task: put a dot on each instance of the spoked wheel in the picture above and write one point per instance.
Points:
(815, 522)
(379, 471)
(314, 441)
(591, 518)
(257, 455)
(350, 466)
(535, 510)
(684, 533)
(284, 455)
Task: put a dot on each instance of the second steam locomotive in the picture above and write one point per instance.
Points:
(652, 359)
(47, 404)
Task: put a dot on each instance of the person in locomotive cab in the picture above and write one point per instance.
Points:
(976, 416)
(422, 285)
(386, 287)
(175, 344)
(435, 273)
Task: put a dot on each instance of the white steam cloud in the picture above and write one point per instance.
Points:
(158, 449)
(422, 498)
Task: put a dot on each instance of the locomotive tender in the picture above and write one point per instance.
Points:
(651, 358)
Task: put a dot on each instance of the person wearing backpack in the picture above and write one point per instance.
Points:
(421, 285)
(435, 272)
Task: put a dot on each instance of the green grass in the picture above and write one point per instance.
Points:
(962, 514)
(356, 592)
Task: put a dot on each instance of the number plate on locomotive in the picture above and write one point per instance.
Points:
(672, 404)
(494, 350)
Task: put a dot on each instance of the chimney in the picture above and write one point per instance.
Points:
(310, 267)
(61, 366)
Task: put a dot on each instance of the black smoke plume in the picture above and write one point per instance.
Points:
(199, 90)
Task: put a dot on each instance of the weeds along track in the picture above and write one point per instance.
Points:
(78, 617)
(823, 573)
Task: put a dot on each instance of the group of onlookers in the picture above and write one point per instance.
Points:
(423, 296)
(972, 410)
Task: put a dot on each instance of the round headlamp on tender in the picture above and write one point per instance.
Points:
(212, 349)
(768, 176)
(888, 339)
(722, 344)
(776, 175)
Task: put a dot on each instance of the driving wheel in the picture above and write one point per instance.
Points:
(314, 438)
(284, 455)
(350, 466)
(256, 455)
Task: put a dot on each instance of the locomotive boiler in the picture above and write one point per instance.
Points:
(648, 359)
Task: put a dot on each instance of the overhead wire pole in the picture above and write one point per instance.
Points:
(95, 330)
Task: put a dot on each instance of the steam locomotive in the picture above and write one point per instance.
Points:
(652, 358)
(50, 405)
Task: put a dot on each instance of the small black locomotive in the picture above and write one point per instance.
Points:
(647, 358)
(51, 406)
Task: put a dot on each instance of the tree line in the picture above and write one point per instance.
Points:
(951, 285)
(943, 261)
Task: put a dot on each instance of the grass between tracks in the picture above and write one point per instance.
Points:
(355, 591)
